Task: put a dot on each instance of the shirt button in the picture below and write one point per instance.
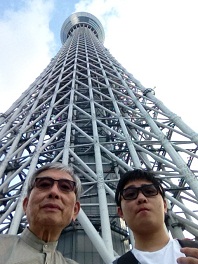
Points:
(45, 246)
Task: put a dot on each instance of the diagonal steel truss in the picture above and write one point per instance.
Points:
(85, 109)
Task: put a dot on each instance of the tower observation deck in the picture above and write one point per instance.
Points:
(87, 110)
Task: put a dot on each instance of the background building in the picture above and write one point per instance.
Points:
(85, 109)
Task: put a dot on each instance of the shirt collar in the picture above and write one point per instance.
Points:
(28, 237)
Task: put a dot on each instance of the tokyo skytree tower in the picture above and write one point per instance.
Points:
(87, 110)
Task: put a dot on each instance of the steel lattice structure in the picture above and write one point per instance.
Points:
(85, 109)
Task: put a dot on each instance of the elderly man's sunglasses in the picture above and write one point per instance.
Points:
(131, 193)
(45, 183)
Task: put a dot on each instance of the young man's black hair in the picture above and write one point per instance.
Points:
(137, 174)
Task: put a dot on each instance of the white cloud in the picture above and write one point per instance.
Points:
(155, 41)
(25, 37)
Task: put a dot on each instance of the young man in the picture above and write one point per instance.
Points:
(141, 203)
(51, 204)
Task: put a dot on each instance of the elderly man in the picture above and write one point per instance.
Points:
(141, 203)
(51, 204)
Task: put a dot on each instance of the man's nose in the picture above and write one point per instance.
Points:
(141, 198)
(54, 191)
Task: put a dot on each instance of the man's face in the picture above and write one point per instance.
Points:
(143, 213)
(52, 207)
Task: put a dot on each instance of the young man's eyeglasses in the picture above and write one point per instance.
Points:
(64, 185)
(131, 193)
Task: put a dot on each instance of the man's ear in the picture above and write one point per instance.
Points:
(25, 203)
(76, 210)
(119, 212)
(165, 206)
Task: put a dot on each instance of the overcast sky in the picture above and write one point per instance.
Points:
(154, 40)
